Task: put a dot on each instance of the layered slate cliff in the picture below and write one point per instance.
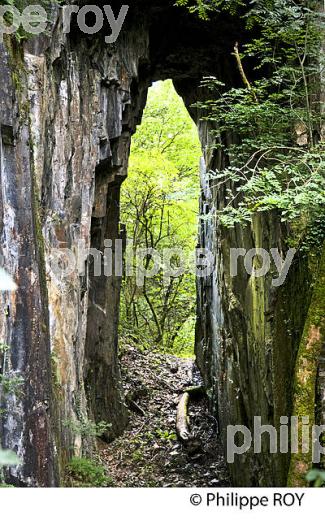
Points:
(69, 104)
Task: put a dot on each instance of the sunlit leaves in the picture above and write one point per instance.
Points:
(159, 208)
(276, 160)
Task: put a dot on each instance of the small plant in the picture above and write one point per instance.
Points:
(166, 435)
(137, 455)
(149, 436)
(316, 477)
(88, 428)
(4, 347)
(11, 384)
(204, 8)
(82, 472)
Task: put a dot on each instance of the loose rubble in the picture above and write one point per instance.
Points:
(149, 454)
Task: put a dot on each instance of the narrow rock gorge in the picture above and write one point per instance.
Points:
(69, 105)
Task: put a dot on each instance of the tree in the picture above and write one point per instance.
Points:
(277, 158)
(159, 207)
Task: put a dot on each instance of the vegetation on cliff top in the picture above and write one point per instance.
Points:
(276, 160)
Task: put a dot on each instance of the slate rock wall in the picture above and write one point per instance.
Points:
(68, 107)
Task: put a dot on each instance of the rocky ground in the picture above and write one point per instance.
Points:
(149, 453)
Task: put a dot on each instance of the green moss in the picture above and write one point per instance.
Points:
(256, 287)
(306, 372)
(82, 472)
(56, 376)
(18, 72)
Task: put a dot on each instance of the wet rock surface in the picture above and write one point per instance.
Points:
(69, 105)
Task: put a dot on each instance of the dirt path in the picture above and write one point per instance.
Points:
(149, 454)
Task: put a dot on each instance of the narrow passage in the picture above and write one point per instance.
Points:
(149, 454)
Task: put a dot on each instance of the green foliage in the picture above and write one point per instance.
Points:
(276, 160)
(4, 348)
(82, 472)
(10, 384)
(87, 428)
(166, 435)
(313, 235)
(184, 341)
(159, 207)
(316, 477)
(21, 34)
(203, 8)
(137, 455)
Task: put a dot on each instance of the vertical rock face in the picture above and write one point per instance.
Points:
(66, 128)
(247, 338)
(90, 120)
(25, 364)
(68, 107)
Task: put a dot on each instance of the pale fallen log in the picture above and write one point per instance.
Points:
(183, 430)
(182, 420)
